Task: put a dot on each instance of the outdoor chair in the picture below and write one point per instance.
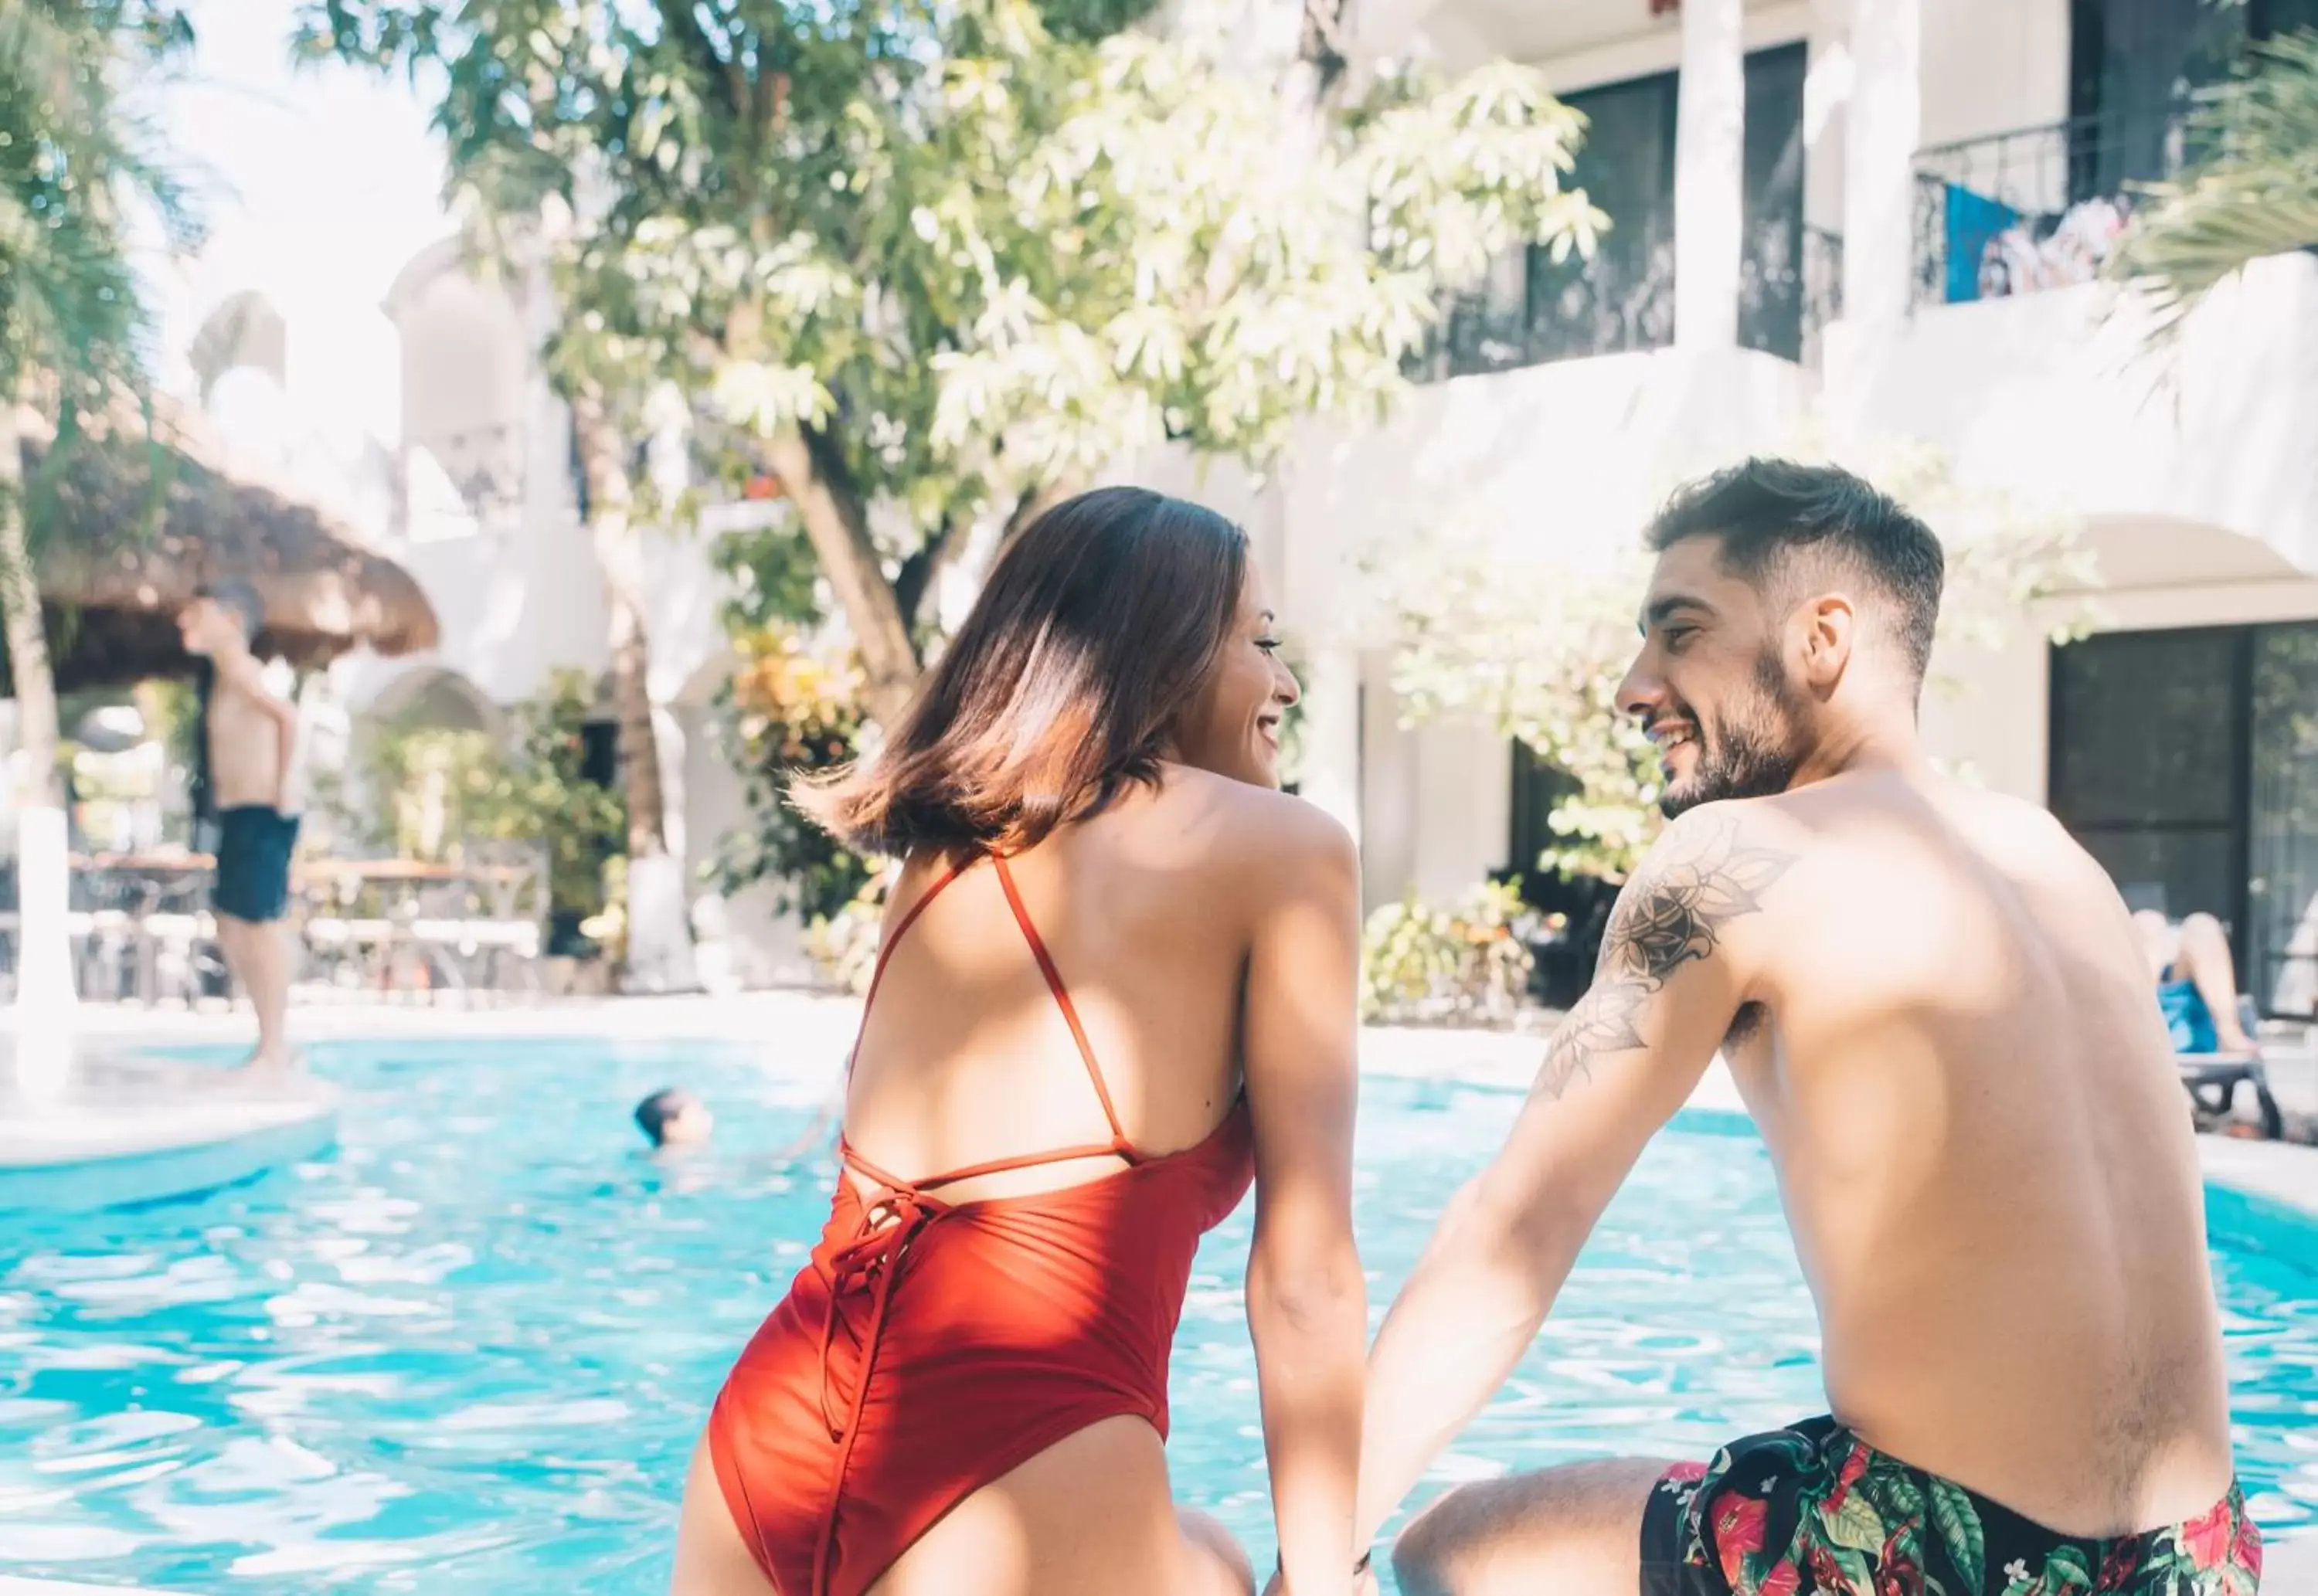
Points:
(487, 932)
(103, 941)
(2213, 1080)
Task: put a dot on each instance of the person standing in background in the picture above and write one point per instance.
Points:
(242, 784)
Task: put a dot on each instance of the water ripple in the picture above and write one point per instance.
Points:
(471, 1352)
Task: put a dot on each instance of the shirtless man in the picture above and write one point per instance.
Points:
(249, 736)
(1936, 1008)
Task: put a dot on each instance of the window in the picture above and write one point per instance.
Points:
(2186, 764)
(2282, 849)
(1533, 309)
(2267, 19)
(1623, 298)
(1537, 788)
(599, 753)
(1771, 268)
(2132, 63)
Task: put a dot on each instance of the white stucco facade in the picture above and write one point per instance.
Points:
(2188, 472)
(2191, 475)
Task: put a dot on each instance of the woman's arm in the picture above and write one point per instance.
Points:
(1306, 1301)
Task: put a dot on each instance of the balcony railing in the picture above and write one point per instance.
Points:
(1531, 311)
(2037, 207)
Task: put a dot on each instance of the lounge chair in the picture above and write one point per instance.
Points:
(2204, 1073)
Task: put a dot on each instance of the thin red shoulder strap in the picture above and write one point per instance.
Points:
(1119, 1143)
(877, 974)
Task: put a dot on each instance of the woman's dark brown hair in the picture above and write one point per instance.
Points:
(1096, 631)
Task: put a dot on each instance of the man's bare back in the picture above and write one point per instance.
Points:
(249, 735)
(1949, 1046)
(1940, 1017)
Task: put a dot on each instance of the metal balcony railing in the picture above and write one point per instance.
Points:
(1531, 311)
(2036, 208)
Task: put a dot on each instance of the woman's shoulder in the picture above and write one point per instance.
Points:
(1254, 834)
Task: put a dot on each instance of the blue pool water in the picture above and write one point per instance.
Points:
(471, 1350)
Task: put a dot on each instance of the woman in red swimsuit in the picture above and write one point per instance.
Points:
(1117, 988)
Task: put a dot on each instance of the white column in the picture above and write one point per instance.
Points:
(46, 997)
(1709, 176)
(1826, 92)
(1330, 775)
(1883, 121)
(659, 896)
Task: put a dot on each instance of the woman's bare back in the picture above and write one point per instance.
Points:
(966, 1056)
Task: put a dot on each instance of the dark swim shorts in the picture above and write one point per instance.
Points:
(252, 862)
(1814, 1508)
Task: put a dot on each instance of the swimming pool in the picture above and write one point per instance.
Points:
(470, 1351)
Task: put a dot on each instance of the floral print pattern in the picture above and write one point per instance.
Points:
(1814, 1510)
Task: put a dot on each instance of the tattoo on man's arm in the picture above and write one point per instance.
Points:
(1670, 914)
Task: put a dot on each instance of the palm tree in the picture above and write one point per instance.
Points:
(72, 167)
(2251, 190)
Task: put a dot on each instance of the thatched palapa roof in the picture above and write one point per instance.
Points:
(115, 568)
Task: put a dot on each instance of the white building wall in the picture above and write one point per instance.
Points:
(1997, 729)
(744, 941)
(1464, 792)
(2198, 493)
(1561, 460)
(1985, 715)
(1993, 67)
(1390, 799)
(1653, 45)
(2051, 395)
(2201, 496)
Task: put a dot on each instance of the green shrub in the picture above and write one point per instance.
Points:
(1419, 963)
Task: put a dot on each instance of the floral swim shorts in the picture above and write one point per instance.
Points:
(1814, 1508)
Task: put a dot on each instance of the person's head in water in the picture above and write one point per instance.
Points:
(673, 1118)
(223, 615)
(1123, 629)
(1789, 615)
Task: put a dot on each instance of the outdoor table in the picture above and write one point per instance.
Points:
(128, 905)
(133, 904)
(373, 910)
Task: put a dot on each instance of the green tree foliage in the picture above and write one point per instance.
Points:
(76, 165)
(434, 794)
(935, 262)
(1464, 965)
(539, 792)
(789, 711)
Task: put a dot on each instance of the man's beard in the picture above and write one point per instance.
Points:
(1753, 749)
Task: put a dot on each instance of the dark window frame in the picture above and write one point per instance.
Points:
(1622, 302)
(2260, 966)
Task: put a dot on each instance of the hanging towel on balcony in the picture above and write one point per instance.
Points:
(1971, 222)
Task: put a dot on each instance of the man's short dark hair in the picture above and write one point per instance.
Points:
(1775, 521)
(655, 1111)
(234, 594)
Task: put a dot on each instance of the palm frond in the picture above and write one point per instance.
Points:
(2251, 192)
(77, 160)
